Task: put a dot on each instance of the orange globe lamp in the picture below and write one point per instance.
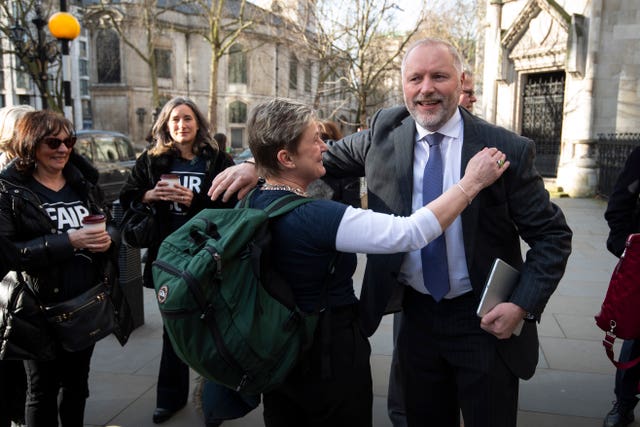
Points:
(64, 26)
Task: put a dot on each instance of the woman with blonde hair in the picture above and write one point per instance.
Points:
(9, 116)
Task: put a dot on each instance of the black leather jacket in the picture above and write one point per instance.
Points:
(25, 223)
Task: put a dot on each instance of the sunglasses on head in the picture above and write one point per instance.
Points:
(54, 143)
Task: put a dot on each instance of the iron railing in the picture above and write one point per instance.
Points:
(613, 150)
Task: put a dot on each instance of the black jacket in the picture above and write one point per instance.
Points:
(40, 250)
(622, 212)
(145, 175)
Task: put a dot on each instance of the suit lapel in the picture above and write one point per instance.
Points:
(403, 141)
(472, 143)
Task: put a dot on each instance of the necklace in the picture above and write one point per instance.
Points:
(282, 187)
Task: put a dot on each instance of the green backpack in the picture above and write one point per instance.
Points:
(228, 314)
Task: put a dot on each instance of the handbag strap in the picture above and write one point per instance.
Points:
(607, 342)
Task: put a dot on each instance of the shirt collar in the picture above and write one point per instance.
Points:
(450, 129)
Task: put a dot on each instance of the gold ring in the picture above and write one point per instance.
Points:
(500, 163)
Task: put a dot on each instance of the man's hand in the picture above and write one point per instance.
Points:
(502, 319)
(239, 178)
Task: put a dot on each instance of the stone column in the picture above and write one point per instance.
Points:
(579, 177)
(577, 172)
(492, 54)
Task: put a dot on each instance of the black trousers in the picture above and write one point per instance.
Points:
(13, 390)
(173, 378)
(449, 363)
(345, 398)
(627, 379)
(58, 388)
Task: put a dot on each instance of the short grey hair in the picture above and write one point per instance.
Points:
(430, 41)
(276, 125)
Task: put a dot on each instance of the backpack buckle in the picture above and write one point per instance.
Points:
(208, 311)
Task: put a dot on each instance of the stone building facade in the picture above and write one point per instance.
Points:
(562, 72)
(263, 62)
(111, 84)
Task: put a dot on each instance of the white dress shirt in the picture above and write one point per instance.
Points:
(451, 146)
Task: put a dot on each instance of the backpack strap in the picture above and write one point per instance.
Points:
(278, 207)
(285, 204)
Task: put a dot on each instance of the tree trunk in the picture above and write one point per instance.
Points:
(213, 91)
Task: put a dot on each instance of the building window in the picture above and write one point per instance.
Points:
(1, 71)
(237, 112)
(87, 117)
(237, 64)
(84, 87)
(293, 72)
(163, 63)
(83, 67)
(307, 77)
(108, 56)
(83, 48)
(237, 136)
(24, 99)
(2, 101)
(237, 116)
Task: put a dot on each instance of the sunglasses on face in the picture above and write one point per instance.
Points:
(54, 143)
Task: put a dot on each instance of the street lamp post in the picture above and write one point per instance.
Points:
(65, 27)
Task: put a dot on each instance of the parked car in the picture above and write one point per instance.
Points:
(112, 153)
(242, 156)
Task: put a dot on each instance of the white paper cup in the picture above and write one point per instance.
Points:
(172, 179)
(94, 222)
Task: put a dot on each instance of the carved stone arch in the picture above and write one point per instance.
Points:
(102, 18)
(531, 10)
(537, 38)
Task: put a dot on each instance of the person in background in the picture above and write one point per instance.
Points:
(44, 195)
(182, 146)
(345, 190)
(439, 314)
(623, 216)
(13, 381)
(468, 95)
(221, 139)
(8, 118)
(335, 390)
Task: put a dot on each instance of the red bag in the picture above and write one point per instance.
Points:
(620, 312)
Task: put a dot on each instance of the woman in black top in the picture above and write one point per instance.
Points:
(44, 195)
(182, 146)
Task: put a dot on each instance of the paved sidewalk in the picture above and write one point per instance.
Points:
(573, 385)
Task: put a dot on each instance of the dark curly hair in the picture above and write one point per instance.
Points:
(31, 129)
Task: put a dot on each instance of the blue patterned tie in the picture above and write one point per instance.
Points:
(435, 269)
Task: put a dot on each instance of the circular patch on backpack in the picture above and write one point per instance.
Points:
(162, 294)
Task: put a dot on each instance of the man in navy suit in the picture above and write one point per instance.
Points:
(451, 360)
